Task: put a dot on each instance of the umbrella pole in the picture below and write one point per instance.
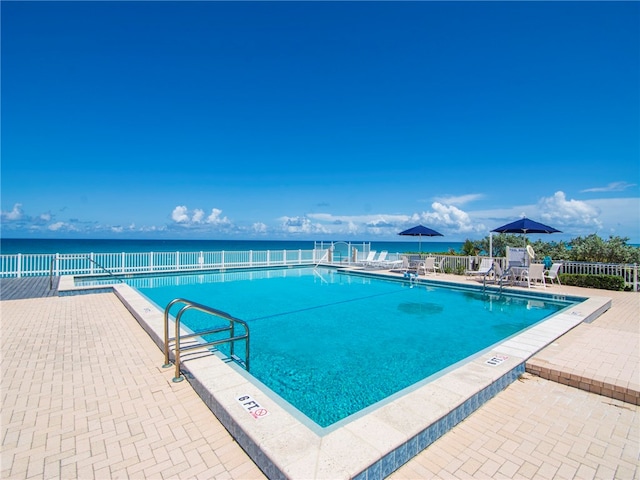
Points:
(491, 245)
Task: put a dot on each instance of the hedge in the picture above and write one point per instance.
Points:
(605, 282)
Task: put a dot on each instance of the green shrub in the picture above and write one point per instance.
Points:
(605, 282)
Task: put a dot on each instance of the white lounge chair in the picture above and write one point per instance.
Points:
(370, 257)
(390, 264)
(381, 259)
(535, 275)
(486, 265)
(552, 273)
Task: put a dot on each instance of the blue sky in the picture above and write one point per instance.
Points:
(318, 120)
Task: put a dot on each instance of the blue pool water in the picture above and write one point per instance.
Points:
(332, 343)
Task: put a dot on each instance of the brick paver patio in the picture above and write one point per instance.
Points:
(84, 396)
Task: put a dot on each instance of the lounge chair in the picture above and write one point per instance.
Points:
(380, 260)
(370, 257)
(552, 273)
(486, 265)
(535, 274)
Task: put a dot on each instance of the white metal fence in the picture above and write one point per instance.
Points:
(25, 265)
(629, 272)
(28, 265)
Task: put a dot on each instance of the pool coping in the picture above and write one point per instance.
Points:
(371, 445)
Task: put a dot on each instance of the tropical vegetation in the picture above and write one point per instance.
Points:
(591, 248)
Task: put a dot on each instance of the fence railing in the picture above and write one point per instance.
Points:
(629, 272)
(30, 265)
(26, 265)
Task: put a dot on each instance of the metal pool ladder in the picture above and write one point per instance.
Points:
(189, 305)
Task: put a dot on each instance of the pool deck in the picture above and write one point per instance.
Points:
(84, 396)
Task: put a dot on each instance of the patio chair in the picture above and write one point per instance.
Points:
(535, 275)
(552, 273)
(414, 262)
(486, 265)
(429, 265)
(505, 277)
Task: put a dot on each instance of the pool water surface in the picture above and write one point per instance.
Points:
(332, 344)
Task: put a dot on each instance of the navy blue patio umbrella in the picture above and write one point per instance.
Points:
(420, 231)
(525, 225)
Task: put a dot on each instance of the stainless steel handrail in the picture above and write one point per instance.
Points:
(105, 269)
(212, 311)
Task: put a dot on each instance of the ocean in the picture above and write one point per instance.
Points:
(10, 246)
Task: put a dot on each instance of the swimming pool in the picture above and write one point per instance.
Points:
(332, 343)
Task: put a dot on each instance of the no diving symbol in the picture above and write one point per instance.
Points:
(252, 407)
(261, 412)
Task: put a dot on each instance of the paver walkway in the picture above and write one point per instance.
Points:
(84, 396)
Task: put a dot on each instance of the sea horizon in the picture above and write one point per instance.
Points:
(12, 246)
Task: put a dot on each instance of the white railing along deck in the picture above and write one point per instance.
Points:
(28, 265)
(629, 272)
(25, 265)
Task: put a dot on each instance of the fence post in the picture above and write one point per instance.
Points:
(251, 258)
(299, 256)
(151, 261)
(19, 266)
(268, 258)
(635, 277)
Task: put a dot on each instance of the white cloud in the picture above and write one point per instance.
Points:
(216, 219)
(460, 199)
(14, 214)
(619, 216)
(362, 219)
(54, 227)
(198, 215)
(179, 214)
(568, 212)
(259, 227)
(301, 225)
(45, 217)
(184, 217)
(450, 216)
(612, 187)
